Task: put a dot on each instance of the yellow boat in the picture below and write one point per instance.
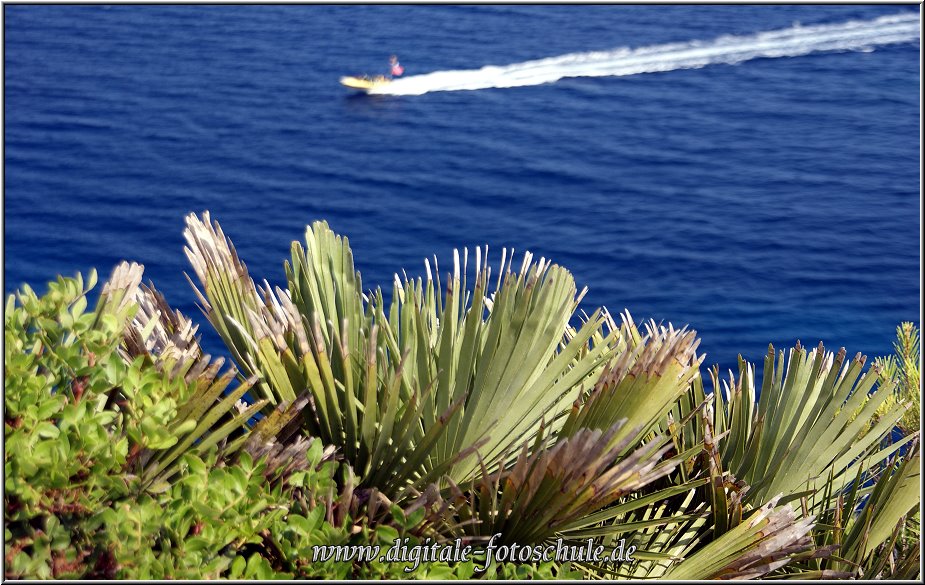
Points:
(365, 82)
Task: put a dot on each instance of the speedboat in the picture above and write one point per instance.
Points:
(365, 82)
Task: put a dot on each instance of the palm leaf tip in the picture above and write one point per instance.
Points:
(769, 540)
(121, 290)
(642, 382)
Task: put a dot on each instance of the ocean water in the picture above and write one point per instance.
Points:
(752, 171)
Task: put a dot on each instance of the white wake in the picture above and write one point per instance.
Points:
(791, 42)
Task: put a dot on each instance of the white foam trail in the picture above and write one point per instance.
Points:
(791, 42)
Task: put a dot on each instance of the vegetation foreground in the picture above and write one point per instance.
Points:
(466, 406)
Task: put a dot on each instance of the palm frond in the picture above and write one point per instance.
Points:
(768, 540)
(774, 440)
(554, 488)
(509, 355)
(232, 304)
(874, 515)
(642, 384)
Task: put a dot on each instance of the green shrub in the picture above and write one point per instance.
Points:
(79, 421)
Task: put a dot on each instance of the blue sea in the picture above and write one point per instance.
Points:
(752, 171)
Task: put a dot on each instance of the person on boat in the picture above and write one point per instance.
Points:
(396, 68)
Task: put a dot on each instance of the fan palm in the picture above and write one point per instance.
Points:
(478, 394)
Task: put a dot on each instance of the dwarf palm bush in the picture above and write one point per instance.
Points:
(407, 392)
(359, 400)
(478, 392)
(507, 356)
(454, 385)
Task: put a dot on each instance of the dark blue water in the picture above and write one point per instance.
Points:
(769, 201)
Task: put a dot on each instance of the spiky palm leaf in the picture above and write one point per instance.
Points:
(164, 335)
(321, 335)
(774, 440)
(318, 336)
(234, 307)
(665, 528)
(507, 355)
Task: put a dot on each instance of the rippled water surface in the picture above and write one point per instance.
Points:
(750, 170)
